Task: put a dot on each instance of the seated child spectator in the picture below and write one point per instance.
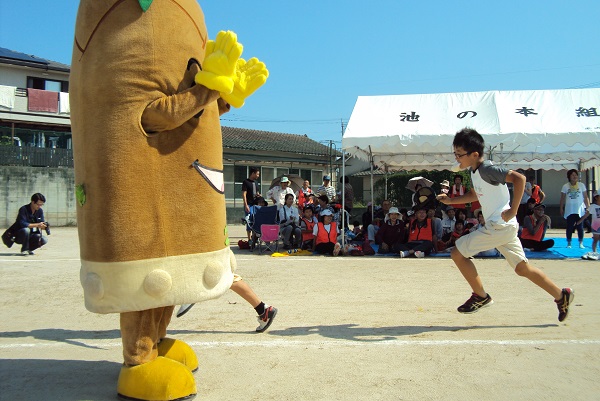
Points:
(289, 223)
(391, 233)
(325, 234)
(357, 231)
(307, 224)
(421, 236)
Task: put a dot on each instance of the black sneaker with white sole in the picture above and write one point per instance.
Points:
(567, 297)
(475, 303)
(265, 320)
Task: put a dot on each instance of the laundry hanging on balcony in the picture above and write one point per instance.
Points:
(7, 96)
(41, 100)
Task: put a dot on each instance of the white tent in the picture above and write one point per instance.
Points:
(541, 129)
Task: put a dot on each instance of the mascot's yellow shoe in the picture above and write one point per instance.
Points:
(163, 379)
(178, 351)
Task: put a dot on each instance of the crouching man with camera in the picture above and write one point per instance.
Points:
(30, 222)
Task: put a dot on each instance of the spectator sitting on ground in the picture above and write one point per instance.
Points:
(289, 224)
(437, 222)
(421, 236)
(534, 230)
(322, 204)
(525, 211)
(307, 224)
(448, 223)
(367, 218)
(391, 233)
(326, 233)
(378, 219)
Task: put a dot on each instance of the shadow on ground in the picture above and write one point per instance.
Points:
(58, 380)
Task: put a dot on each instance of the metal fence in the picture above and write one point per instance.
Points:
(35, 157)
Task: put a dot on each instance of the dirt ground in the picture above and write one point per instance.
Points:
(352, 328)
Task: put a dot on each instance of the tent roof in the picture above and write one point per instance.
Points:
(541, 129)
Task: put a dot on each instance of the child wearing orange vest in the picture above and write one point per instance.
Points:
(325, 235)
(307, 225)
(421, 236)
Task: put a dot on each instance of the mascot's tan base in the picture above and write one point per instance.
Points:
(152, 228)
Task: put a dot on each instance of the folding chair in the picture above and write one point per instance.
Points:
(266, 215)
(269, 238)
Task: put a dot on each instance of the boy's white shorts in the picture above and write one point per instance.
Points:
(499, 235)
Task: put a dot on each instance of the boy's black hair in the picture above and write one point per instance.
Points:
(470, 140)
(459, 221)
(38, 197)
(253, 170)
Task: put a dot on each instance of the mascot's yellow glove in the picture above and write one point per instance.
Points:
(221, 56)
(249, 76)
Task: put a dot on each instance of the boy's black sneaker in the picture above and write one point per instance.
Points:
(568, 295)
(265, 320)
(475, 303)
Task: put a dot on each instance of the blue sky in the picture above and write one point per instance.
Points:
(323, 54)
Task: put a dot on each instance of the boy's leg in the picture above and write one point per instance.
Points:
(245, 291)
(539, 278)
(266, 313)
(469, 272)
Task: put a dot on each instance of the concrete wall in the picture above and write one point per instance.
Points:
(17, 184)
(57, 185)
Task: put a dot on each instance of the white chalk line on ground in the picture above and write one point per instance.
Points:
(322, 344)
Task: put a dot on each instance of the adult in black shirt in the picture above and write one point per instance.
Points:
(250, 193)
(30, 221)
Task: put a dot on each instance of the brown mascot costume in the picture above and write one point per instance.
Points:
(147, 88)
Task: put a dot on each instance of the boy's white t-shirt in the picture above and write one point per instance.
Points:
(489, 182)
(594, 210)
(574, 203)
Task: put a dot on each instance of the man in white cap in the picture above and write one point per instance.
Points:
(277, 193)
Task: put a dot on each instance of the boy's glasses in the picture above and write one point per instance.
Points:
(457, 156)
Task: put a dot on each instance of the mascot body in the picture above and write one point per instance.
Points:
(148, 166)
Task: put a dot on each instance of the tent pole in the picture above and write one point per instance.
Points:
(343, 210)
(372, 194)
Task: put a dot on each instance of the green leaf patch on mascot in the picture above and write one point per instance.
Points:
(147, 88)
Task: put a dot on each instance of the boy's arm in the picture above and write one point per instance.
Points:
(470, 196)
(518, 181)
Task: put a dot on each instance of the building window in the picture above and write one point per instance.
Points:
(47, 84)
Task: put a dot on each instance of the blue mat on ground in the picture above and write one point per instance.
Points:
(558, 251)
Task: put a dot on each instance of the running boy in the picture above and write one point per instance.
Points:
(501, 227)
